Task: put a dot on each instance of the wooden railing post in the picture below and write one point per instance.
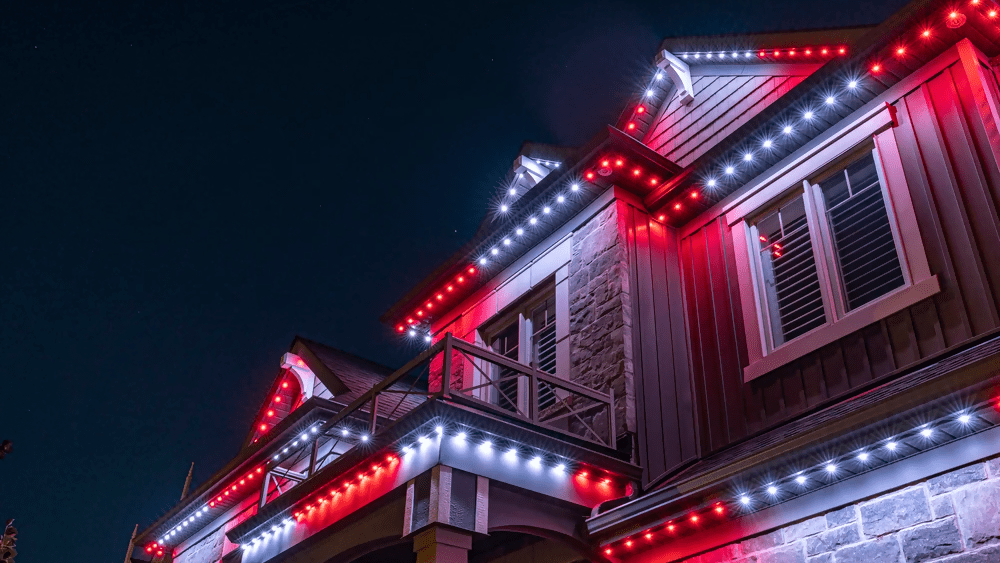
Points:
(371, 431)
(446, 371)
(611, 418)
(533, 396)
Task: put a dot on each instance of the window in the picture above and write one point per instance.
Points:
(527, 334)
(828, 249)
(827, 244)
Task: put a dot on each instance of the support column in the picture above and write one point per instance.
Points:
(439, 544)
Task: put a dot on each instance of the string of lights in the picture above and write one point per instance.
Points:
(814, 476)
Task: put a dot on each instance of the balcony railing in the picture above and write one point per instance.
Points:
(461, 372)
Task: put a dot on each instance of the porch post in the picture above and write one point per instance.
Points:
(440, 544)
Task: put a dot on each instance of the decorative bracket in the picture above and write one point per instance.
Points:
(678, 72)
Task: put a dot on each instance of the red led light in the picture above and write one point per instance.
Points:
(220, 498)
(605, 163)
(809, 51)
(259, 470)
(440, 296)
(472, 269)
(159, 553)
(211, 504)
(410, 321)
(953, 15)
(876, 67)
(677, 207)
(824, 51)
(631, 126)
(777, 53)
(277, 399)
(608, 551)
(619, 162)
(662, 217)
(225, 494)
(926, 33)
(149, 549)
(719, 510)
(992, 14)
(640, 109)
(694, 195)
(628, 543)
(671, 527)
(694, 518)
(762, 238)
(242, 482)
(451, 288)
(263, 427)
(584, 474)
(400, 328)
(606, 481)
(649, 536)
(900, 51)
(461, 279)
(636, 172)
(842, 51)
(791, 53)
(653, 181)
(420, 313)
(430, 305)
(590, 175)
(761, 54)
(270, 413)
(234, 487)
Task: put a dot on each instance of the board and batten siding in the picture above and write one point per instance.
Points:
(948, 140)
(724, 99)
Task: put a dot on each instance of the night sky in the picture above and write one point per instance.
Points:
(187, 185)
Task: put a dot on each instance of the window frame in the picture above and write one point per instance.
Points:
(873, 131)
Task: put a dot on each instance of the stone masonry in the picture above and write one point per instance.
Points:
(951, 518)
(600, 313)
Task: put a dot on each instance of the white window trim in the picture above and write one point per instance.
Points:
(919, 283)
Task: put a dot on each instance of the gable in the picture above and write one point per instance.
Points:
(725, 98)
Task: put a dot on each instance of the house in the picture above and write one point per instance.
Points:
(754, 320)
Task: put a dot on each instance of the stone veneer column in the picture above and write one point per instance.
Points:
(601, 312)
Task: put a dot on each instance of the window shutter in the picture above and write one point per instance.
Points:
(862, 237)
(791, 280)
(543, 322)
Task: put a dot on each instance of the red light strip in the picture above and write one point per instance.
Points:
(740, 55)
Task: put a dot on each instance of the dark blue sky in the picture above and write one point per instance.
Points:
(187, 185)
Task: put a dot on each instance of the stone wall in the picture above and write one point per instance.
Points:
(600, 312)
(952, 518)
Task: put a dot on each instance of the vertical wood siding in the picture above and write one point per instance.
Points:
(948, 139)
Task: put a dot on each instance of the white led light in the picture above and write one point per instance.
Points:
(767, 143)
(494, 251)
(537, 460)
(520, 174)
(748, 157)
(863, 456)
(964, 418)
(512, 191)
(801, 479)
(427, 338)
(191, 519)
(830, 100)
(697, 55)
(460, 436)
(831, 468)
(295, 443)
(288, 522)
(807, 115)
(511, 453)
(722, 55)
(275, 529)
(708, 55)
(772, 490)
(926, 432)
(177, 529)
(744, 500)
(748, 54)
(439, 429)
(684, 56)
(364, 437)
(710, 183)
(735, 54)
(407, 449)
(730, 170)
(343, 432)
(575, 187)
(519, 231)
(852, 84)
(649, 93)
(160, 541)
(482, 261)
(304, 437)
(659, 76)
(285, 450)
(506, 242)
(487, 445)
(313, 430)
(546, 209)
(532, 221)
(559, 468)
(185, 523)
(560, 199)
(424, 439)
(787, 130)
(891, 446)
(504, 208)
